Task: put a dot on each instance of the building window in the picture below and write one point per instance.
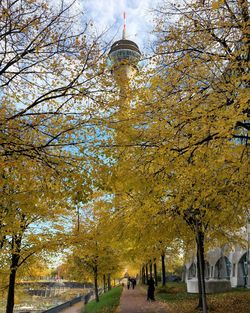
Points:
(222, 268)
(234, 268)
(192, 271)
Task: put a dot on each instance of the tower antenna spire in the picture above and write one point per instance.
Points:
(124, 26)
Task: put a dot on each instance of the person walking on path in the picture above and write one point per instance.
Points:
(128, 283)
(133, 281)
(151, 289)
(136, 302)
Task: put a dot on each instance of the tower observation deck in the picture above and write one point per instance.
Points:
(124, 51)
(124, 56)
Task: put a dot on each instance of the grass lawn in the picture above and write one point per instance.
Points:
(179, 301)
(108, 303)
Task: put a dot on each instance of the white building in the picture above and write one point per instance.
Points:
(224, 269)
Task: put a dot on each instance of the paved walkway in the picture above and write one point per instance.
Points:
(135, 301)
(76, 308)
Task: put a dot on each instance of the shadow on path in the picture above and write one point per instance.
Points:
(135, 301)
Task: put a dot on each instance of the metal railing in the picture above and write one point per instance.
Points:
(85, 299)
(65, 305)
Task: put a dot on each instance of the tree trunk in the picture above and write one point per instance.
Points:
(143, 275)
(155, 274)
(109, 282)
(146, 273)
(201, 266)
(96, 283)
(163, 268)
(104, 282)
(12, 281)
(150, 269)
(199, 306)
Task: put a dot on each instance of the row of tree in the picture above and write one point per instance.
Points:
(112, 179)
(50, 65)
(181, 141)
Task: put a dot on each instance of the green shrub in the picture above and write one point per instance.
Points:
(171, 287)
(173, 291)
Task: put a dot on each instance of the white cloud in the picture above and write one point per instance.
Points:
(107, 13)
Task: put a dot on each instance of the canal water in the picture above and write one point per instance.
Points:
(36, 298)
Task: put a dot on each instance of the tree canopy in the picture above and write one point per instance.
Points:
(127, 176)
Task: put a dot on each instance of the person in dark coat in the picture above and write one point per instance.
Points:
(128, 283)
(151, 289)
(133, 281)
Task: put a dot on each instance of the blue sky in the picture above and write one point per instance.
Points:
(108, 13)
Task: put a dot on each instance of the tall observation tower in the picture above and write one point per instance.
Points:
(124, 56)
